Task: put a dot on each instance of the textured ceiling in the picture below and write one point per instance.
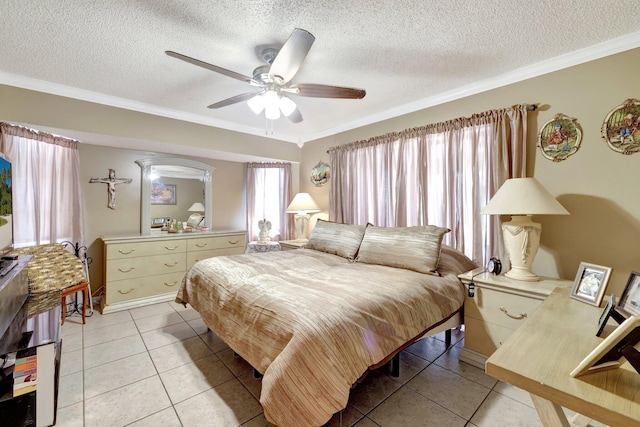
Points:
(406, 54)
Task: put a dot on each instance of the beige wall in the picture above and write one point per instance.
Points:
(597, 185)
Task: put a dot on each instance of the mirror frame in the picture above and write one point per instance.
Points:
(145, 187)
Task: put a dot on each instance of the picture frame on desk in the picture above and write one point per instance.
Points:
(618, 345)
(590, 283)
(630, 300)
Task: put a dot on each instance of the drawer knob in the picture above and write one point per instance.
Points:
(518, 317)
(171, 265)
(171, 249)
(201, 245)
(123, 252)
(124, 293)
(122, 270)
(235, 242)
(171, 284)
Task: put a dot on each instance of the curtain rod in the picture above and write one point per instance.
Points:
(530, 107)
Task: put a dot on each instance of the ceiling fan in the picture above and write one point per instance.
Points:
(274, 80)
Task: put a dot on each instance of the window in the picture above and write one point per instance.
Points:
(268, 195)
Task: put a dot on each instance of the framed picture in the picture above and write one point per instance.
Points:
(630, 300)
(618, 345)
(621, 127)
(590, 283)
(163, 194)
(320, 174)
(560, 137)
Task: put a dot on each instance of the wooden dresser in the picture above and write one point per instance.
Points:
(146, 269)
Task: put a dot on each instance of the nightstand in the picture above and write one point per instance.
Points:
(287, 245)
(257, 247)
(499, 306)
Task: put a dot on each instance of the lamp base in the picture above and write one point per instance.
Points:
(301, 220)
(521, 274)
(521, 238)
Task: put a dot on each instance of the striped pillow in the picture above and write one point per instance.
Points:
(411, 248)
(335, 238)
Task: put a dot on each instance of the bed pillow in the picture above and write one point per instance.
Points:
(335, 238)
(411, 248)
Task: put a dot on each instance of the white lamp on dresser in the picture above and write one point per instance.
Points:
(302, 205)
(521, 198)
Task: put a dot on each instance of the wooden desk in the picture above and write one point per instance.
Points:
(539, 356)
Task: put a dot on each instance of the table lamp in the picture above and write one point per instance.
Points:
(302, 205)
(521, 198)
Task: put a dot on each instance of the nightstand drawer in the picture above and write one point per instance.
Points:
(483, 337)
(500, 308)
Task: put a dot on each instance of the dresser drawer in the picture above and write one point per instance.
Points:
(483, 337)
(140, 249)
(142, 287)
(500, 308)
(193, 257)
(217, 242)
(121, 269)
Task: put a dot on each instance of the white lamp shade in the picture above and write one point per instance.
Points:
(303, 203)
(523, 196)
(196, 207)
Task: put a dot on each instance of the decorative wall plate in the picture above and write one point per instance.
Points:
(621, 127)
(320, 174)
(560, 137)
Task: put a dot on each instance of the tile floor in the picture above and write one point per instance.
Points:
(158, 366)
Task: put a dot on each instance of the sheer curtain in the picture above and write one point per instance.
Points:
(47, 199)
(47, 194)
(268, 195)
(441, 174)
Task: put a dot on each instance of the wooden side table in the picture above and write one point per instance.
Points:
(288, 245)
(498, 307)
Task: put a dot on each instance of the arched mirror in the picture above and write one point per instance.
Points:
(174, 187)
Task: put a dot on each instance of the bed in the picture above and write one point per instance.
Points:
(314, 320)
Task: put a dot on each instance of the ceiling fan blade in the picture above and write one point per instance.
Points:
(295, 117)
(234, 100)
(290, 57)
(208, 66)
(326, 91)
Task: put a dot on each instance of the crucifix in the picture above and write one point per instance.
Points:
(111, 182)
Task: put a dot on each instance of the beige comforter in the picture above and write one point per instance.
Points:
(313, 323)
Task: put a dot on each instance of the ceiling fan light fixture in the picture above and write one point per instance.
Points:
(272, 112)
(256, 104)
(287, 106)
(271, 105)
